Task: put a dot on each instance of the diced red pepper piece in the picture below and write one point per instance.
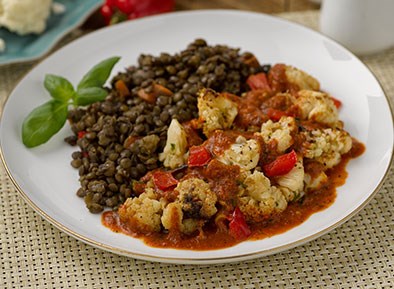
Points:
(337, 102)
(130, 140)
(281, 165)
(239, 229)
(164, 180)
(198, 156)
(148, 97)
(275, 114)
(81, 134)
(258, 81)
(152, 96)
(122, 88)
(138, 187)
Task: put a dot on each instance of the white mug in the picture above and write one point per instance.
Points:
(363, 26)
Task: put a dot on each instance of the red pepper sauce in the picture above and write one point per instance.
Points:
(210, 240)
(214, 238)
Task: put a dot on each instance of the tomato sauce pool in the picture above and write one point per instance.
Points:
(295, 214)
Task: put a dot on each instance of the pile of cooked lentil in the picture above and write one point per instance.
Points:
(120, 138)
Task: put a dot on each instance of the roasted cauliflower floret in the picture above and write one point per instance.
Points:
(172, 216)
(194, 205)
(215, 110)
(300, 78)
(143, 213)
(279, 132)
(196, 198)
(326, 145)
(173, 219)
(316, 106)
(258, 200)
(292, 183)
(244, 153)
(315, 182)
(174, 153)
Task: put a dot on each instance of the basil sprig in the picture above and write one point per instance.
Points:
(47, 119)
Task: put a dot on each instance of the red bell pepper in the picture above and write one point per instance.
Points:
(275, 114)
(198, 156)
(115, 11)
(281, 165)
(238, 227)
(81, 134)
(138, 187)
(258, 81)
(163, 180)
(337, 102)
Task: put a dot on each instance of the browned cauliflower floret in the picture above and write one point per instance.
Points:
(195, 204)
(315, 182)
(215, 110)
(258, 200)
(316, 106)
(173, 219)
(300, 78)
(292, 183)
(279, 132)
(244, 153)
(143, 213)
(172, 216)
(196, 198)
(174, 153)
(326, 145)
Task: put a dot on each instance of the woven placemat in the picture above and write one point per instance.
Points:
(358, 254)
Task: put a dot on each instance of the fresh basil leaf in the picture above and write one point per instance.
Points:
(58, 87)
(98, 75)
(43, 122)
(46, 120)
(85, 96)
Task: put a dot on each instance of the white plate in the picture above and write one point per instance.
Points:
(48, 183)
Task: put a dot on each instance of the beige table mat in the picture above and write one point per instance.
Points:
(358, 254)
